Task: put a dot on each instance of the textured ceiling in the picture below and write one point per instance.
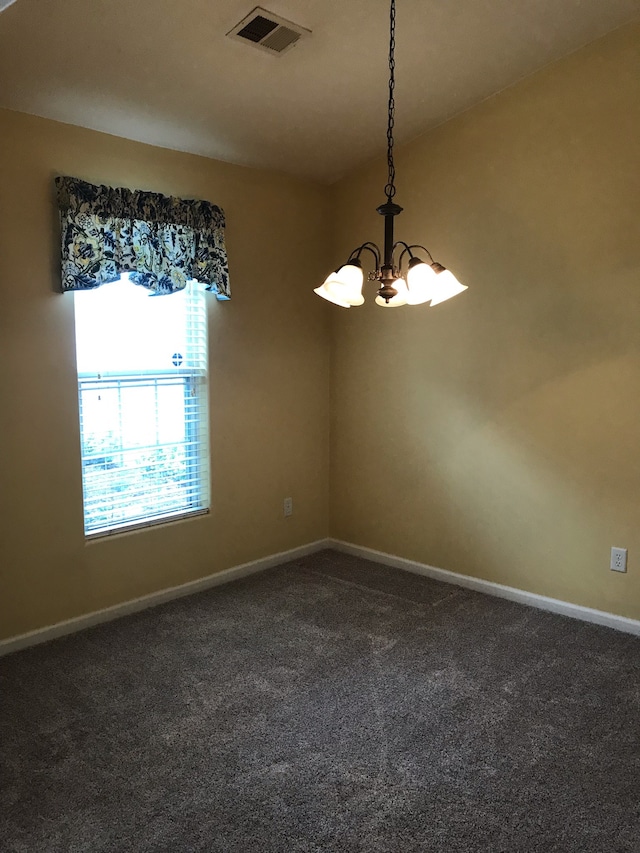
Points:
(162, 71)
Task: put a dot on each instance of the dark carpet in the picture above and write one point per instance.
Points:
(330, 704)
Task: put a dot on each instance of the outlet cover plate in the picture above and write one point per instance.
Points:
(618, 559)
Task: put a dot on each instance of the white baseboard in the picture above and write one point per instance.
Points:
(79, 623)
(575, 611)
(71, 626)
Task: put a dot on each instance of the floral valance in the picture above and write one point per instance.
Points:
(161, 241)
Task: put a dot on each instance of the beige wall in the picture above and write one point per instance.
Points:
(268, 379)
(498, 434)
(495, 435)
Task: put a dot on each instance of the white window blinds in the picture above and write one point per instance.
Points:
(142, 386)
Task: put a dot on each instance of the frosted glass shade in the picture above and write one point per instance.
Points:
(401, 297)
(421, 280)
(445, 286)
(326, 294)
(346, 284)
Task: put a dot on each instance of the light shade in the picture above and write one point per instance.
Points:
(326, 294)
(445, 285)
(345, 285)
(401, 297)
(420, 280)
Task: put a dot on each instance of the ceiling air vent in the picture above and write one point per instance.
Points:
(268, 32)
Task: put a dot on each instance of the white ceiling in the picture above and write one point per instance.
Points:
(162, 71)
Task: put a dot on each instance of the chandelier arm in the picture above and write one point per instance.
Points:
(403, 252)
(424, 249)
(368, 246)
(375, 251)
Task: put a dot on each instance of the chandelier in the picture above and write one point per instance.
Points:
(423, 281)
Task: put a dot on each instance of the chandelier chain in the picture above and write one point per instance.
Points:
(390, 189)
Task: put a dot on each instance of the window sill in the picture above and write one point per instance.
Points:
(135, 526)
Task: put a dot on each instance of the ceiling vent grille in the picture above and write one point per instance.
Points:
(268, 32)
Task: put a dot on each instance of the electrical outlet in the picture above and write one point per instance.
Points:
(618, 559)
(288, 507)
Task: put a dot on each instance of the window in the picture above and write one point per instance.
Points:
(142, 387)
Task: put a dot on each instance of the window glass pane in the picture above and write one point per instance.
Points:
(136, 331)
(138, 414)
(172, 416)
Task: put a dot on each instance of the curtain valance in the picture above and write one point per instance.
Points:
(161, 241)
